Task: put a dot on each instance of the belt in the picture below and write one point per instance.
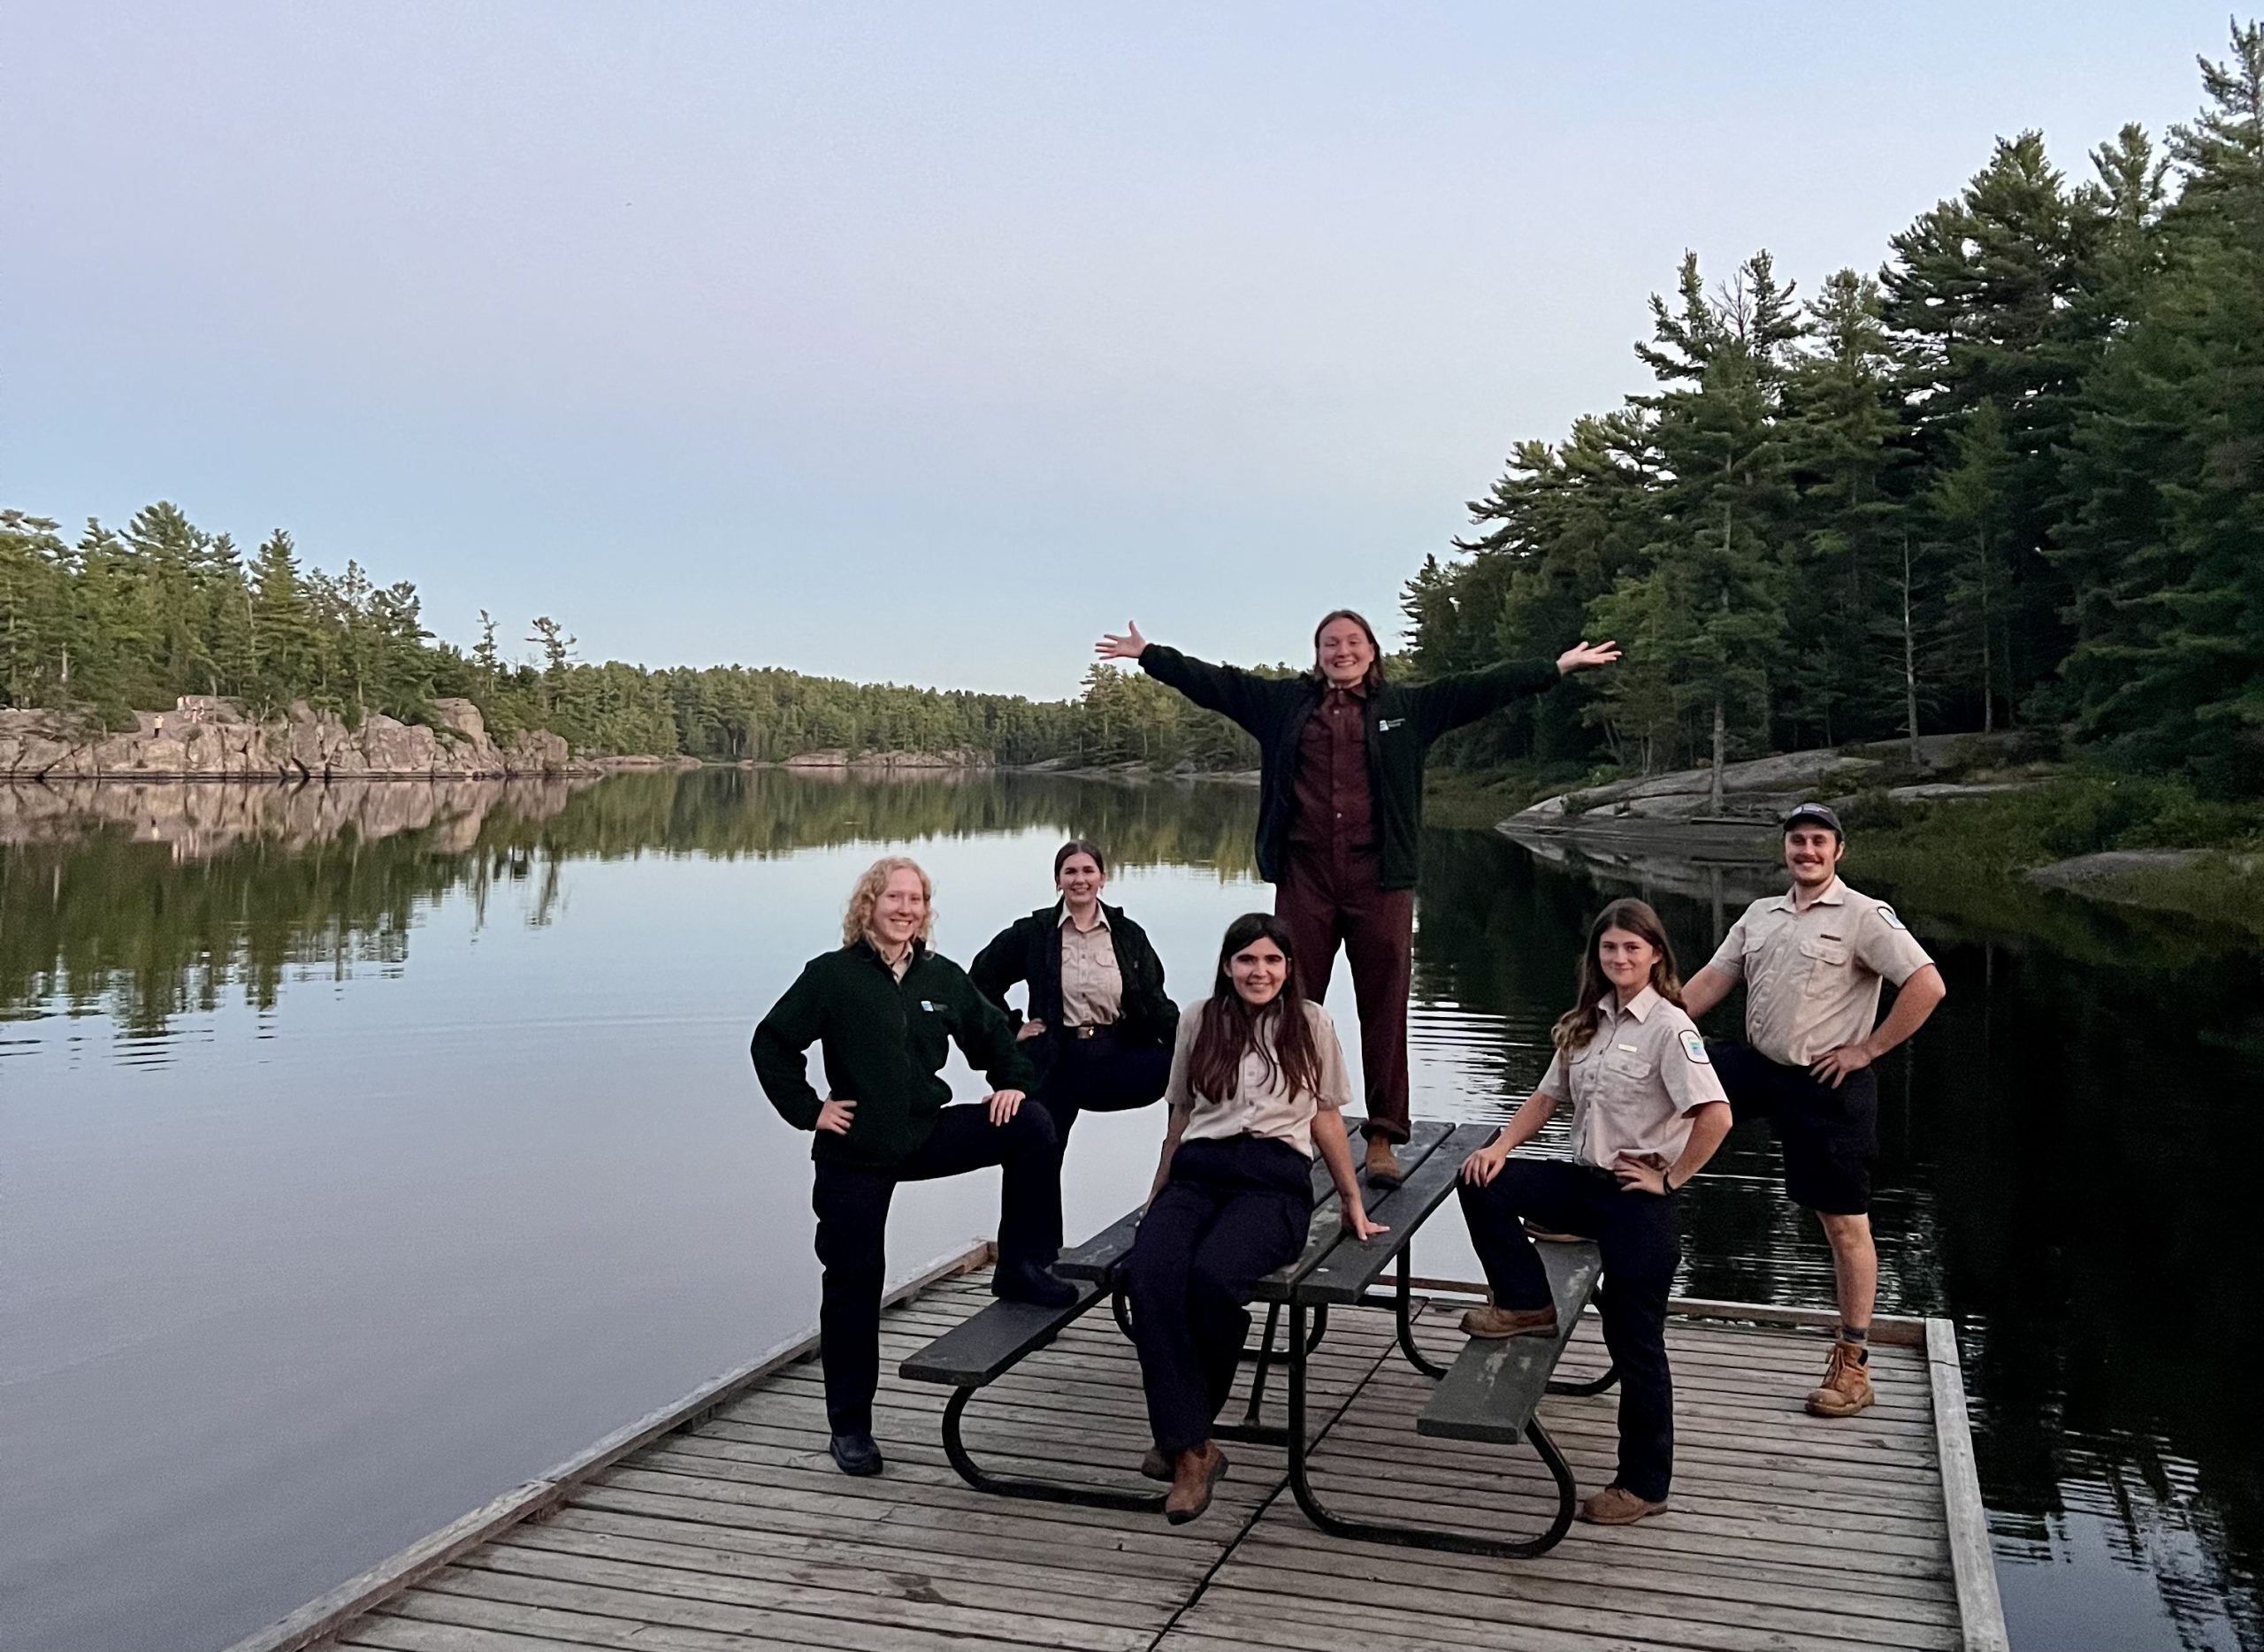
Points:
(1086, 1032)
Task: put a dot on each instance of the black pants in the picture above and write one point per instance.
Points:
(1829, 1132)
(1232, 1212)
(1640, 1241)
(1106, 1073)
(851, 1203)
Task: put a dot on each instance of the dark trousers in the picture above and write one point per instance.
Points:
(1329, 897)
(851, 1203)
(1106, 1073)
(1640, 1241)
(1829, 1132)
(1232, 1212)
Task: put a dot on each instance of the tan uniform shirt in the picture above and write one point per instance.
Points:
(1812, 978)
(1633, 1084)
(1259, 1105)
(1092, 984)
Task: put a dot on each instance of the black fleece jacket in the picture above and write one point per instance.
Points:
(884, 1042)
(1402, 724)
(1029, 949)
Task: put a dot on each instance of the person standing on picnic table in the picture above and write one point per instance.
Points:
(886, 1010)
(1339, 813)
(1257, 1083)
(1812, 960)
(1647, 1112)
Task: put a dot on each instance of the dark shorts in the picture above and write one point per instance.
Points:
(1830, 1136)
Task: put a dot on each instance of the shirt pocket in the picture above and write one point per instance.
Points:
(1626, 1068)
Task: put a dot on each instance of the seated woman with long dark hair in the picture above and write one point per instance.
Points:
(1257, 1081)
(1647, 1112)
(886, 1011)
(1099, 1029)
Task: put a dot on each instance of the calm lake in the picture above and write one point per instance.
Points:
(365, 1151)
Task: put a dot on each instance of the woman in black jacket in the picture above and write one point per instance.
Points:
(1339, 813)
(1099, 1028)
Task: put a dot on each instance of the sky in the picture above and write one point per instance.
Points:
(922, 342)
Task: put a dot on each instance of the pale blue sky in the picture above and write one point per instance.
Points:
(923, 341)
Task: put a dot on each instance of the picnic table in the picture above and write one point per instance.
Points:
(1489, 1396)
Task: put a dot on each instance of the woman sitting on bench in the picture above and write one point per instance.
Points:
(1647, 1112)
(886, 1011)
(1256, 1083)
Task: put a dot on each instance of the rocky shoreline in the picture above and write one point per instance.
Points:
(214, 739)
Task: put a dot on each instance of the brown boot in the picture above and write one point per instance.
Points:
(1382, 1167)
(1615, 1505)
(1156, 1465)
(1492, 1321)
(1847, 1382)
(1200, 1470)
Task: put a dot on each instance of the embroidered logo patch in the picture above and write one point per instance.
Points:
(930, 1005)
(1887, 912)
(1386, 725)
(1694, 1047)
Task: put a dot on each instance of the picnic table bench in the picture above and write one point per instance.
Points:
(1489, 1395)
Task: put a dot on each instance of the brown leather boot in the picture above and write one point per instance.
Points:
(1846, 1387)
(1493, 1321)
(1156, 1465)
(1382, 1167)
(1615, 1505)
(1199, 1471)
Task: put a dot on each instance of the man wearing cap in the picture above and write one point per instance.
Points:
(1812, 960)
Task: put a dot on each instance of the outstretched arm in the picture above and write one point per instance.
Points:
(1452, 701)
(1225, 689)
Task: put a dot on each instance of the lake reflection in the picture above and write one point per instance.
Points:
(365, 1150)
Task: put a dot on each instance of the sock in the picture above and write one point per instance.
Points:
(1857, 1337)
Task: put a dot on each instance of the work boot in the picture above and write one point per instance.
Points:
(1615, 1505)
(1382, 1167)
(855, 1453)
(1025, 1282)
(1156, 1465)
(1197, 1475)
(1847, 1382)
(1492, 1321)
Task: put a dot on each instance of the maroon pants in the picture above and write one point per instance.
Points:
(1328, 898)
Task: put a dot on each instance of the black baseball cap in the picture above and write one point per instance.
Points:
(1815, 814)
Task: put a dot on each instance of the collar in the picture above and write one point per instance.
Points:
(912, 956)
(1100, 920)
(1640, 1006)
(1835, 894)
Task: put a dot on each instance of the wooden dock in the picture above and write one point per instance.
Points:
(719, 1525)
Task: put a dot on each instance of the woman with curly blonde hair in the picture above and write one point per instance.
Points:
(885, 1011)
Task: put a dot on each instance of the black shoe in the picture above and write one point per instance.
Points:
(856, 1454)
(1025, 1281)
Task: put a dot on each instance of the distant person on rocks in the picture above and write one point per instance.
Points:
(1257, 1082)
(885, 1011)
(1340, 814)
(1099, 1028)
(1647, 1112)
(1812, 960)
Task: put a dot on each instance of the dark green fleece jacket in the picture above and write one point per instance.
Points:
(1402, 723)
(884, 1043)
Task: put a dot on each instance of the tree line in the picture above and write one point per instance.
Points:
(114, 619)
(2012, 478)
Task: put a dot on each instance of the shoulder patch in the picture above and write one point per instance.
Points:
(1694, 1047)
(1887, 912)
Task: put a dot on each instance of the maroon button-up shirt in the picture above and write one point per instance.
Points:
(1335, 802)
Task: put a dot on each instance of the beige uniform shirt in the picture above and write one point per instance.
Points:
(1259, 1105)
(1632, 1086)
(1812, 978)
(1092, 985)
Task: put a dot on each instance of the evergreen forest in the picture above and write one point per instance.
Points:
(2011, 480)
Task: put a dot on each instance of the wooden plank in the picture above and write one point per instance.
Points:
(389, 1577)
(993, 1340)
(1490, 1391)
(1971, 1563)
(1345, 1274)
